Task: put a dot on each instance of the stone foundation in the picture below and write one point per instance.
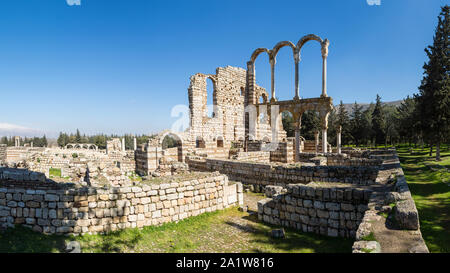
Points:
(324, 209)
(55, 208)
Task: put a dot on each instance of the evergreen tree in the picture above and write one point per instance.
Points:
(379, 122)
(78, 137)
(343, 120)
(357, 124)
(434, 96)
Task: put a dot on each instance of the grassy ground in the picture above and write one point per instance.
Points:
(429, 184)
(54, 172)
(222, 231)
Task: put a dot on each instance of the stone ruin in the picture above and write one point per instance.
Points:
(309, 184)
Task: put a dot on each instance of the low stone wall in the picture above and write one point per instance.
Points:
(405, 214)
(54, 208)
(263, 174)
(284, 152)
(323, 209)
(18, 175)
(335, 159)
(252, 156)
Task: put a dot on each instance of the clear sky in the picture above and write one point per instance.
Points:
(119, 66)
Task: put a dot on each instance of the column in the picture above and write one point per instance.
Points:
(135, 144)
(324, 140)
(297, 60)
(31, 144)
(316, 141)
(338, 144)
(123, 144)
(272, 66)
(297, 143)
(325, 45)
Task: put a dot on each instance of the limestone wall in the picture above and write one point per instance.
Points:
(2, 153)
(52, 208)
(252, 156)
(324, 209)
(263, 174)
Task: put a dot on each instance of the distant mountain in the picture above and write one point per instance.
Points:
(7, 129)
(349, 106)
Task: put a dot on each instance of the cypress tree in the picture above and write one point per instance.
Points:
(434, 96)
(379, 122)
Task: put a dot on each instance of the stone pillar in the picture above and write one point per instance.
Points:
(338, 139)
(297, 144)
(272, 67)
(325, 45)
(324, 140)
(297, 60)
(135, 144)
(31, 144)
(123, 144)
(316, 141)
(324, 117)
(16, 141)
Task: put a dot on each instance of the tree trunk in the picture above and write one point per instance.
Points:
(438, 151)
(431, 149)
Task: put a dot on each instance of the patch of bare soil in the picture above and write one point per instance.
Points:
(391, 238)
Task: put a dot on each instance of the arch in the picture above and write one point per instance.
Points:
(282, 44)
(199, 142)
(174, 136)
(262, 98)
(219, 142)
(258, 51)
(307, 38)
(211, 99)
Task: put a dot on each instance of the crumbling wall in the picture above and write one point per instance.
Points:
(263, 174)
(324, 209)
(227, 123)
(2, 153)
(63, 210)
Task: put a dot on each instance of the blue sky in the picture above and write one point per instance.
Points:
(120, 66)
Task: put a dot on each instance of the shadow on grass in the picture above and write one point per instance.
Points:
(295, 240)
(23, 240)
(432, 197)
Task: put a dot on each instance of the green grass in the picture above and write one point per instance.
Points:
(429, 184)
(222, 231)
(370, 237)
(54, 172)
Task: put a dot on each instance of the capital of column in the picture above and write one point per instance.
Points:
(324, 49)
(297, 56)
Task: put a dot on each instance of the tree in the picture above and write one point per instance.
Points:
(379, 122)
(342, 119)
(434, 92)
(78, 137)
(288, 123)
(357, 124)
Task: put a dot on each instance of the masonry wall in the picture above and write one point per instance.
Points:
(263, 174)
(50, 208)
(327, 210)
(2, 153)
(253, 156)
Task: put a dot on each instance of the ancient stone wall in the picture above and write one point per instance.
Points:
(330, 209)
(263, 174)
(252, 156)
(2, 153)
(51, 208)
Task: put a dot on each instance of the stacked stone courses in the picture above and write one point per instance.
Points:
(324, 209)
(272, 174)
(53, 208)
